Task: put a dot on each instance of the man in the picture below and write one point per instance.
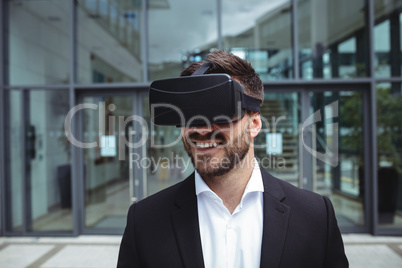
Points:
(229, 212)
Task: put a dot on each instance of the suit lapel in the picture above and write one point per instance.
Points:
(276, 217)
(185, 225)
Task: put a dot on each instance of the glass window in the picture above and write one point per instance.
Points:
(15, 181)
(180, 32)
(260, 32)
(277, 145)
(169, 163)
(332, 39)
(109, 41)
(48, 160)
(387, 38)
(389, 146)
(39, 42)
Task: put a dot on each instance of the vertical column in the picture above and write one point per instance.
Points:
(334, 61)
(219, 20)
(140, 174)
(318, 63)
(2, 129)
(76, 157)
(306, 175)
(144, 40)
(28, 153)
(295, 41)
(370, 162)
(395, 53)
(318, 131)
(3, 107)
(336, 171)
(362, 68)
(363, 43)
(319, 32)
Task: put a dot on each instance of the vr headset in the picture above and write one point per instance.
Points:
(199, 100)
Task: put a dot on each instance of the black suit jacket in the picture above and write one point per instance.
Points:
(300, 229)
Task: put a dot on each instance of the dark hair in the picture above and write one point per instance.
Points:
(239, 69)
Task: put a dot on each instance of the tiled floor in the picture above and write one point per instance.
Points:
(363, 251)
(372, 256)
(80, 252)
(22, 255)
(77, 256)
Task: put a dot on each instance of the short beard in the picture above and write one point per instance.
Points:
(234, 154)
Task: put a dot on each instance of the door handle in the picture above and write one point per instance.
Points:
(30, 142)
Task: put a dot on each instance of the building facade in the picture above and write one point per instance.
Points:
(76, 143)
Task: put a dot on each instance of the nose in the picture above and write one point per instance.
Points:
(202, 130)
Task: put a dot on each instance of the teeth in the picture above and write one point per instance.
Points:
(206, 145)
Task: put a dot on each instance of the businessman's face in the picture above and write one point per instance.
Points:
(216, 149)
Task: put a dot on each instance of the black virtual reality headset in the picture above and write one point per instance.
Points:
(199, 100)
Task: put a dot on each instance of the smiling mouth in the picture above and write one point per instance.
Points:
(206, 145)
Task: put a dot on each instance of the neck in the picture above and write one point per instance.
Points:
(230, 186)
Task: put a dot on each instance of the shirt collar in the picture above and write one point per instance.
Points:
(255, 183)
(200, 185)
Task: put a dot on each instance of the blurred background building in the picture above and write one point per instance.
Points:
(333, 104)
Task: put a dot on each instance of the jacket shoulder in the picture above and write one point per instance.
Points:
(293, 196)
(165, 199)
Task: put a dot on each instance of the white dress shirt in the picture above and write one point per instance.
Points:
(231, 240)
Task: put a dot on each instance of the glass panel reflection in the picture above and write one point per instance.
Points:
(277, 145)
(15, 164)
(109, 41)
(332, 39)
(180, 32)
(260, 32)
(48, 161)
(106, 165)
(389, 146)
(39, 42)
(387, 38)
(169, 162)
(340, 132)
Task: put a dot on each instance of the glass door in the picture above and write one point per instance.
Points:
(334, 150)
(39, 186)
(106, 125)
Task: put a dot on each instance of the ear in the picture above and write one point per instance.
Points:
(255, 124)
